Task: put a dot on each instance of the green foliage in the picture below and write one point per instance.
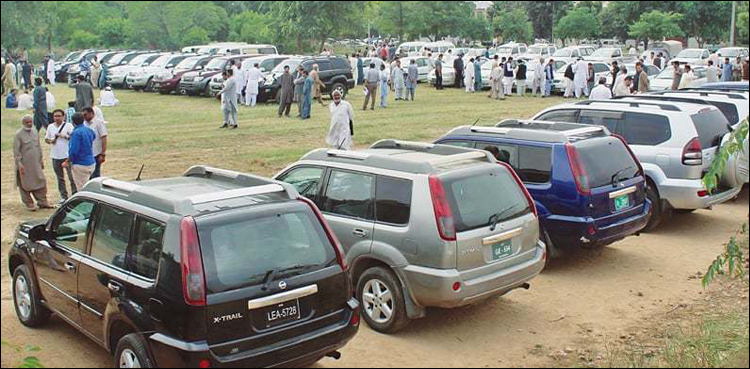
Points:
(514, 25)
(294, 20)
(251, 27)
(707, 21)
(742, 27)
(543, 15)
(400, 18)
(730, 262)
(578, 24)
(28, 361)
(734, 146)
(444, 18)
(19, 23)
(81, 39)
(113, 31)
(656, 25)
(618, 16)
(195, 36)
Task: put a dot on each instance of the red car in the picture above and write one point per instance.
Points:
(169, 81)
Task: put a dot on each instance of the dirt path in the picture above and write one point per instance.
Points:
(587, 295)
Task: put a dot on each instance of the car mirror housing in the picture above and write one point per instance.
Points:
(39, 233)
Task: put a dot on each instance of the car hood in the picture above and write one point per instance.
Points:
(203, 73)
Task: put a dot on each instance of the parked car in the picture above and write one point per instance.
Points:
(539, 51)
(335, 72)
(733, 105)
(601, 70)
(572, 53)
(693, 57)
(608, 55)
(436, 48)
(409, 49)
(743, 86)
(449, 74)
(125, 57)
(675, 142)
(74, 69)
(733, 53)
(72, 59)
(197, 82)
(583, 199)
(669, 49)
(168, 81)
(265, 63)
(116, 75)
(143, 78)
(212, 269)
(271, 88)
(664, 80)
(511, 50)
(423, 225)
(651, 71)
(423, 65)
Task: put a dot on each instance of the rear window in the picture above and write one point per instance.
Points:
(712, 126)
(238, 251)
(729, 110)
(477, 199)
(341, 64)
(619, 162)
(646, 129)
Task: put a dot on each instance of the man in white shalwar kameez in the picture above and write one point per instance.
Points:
(342, 114)
(469, 76)
(582, 75)
(539, 78)
(239, 77)
(107, 98)
(397, 76)
(50, 71)
(254, 76)
(355, 71)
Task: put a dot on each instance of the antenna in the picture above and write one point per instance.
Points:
(475, 122)
(138, 179)
(342, 144)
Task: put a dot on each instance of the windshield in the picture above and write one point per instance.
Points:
(691, 54)
(563, 53)
(189, 63)
(217, 64)
(73, 56)
(161, 61)
(535, 51)
(239, 251)
(117, 59)
(620, 162)
(667, 73)
(505, 50)
(603, 53)
(138, 60)
(729, 53)
(292, 63)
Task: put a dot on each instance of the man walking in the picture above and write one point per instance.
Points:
(640, 80)
(412, 79)
(58, 135)
(342, 118)
(371, 84)
(458, 68)
(496, 79)
(676, 77)
(254, 76)
(360, 70)
(49, 70)
(81, 159)
(726, 71)
(384, 81)
(30, 166)
(229, 96)
(508, 77)
(478, 75)
(26, 74)
(286, 81)
(549, 78)
(306, 95)
(538, 82)
(712, 72)
(9, 76)
(318, 85)
(581, 77)
(84, 94)
(99, 148)
(40, 105)
(439, 72)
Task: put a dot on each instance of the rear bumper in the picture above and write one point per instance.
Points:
(301, 350)
(571, 231)
(434, 287)
(683, 194)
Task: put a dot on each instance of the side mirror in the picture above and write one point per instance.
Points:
(39, 233)
(200, 67)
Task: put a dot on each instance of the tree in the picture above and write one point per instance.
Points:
(514, 26)
(542, 14)
(316, 20)
(251, 27)
(19, 24)
(400, 18)
(656, 25)
(578, 24)
(81, 39)
(617, 16)
(705, 20)
(113, 31)
(742, 26)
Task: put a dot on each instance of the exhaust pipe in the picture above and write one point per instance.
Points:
(334, 355)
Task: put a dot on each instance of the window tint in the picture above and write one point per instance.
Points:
(618, 161)
(350, 194)
(340, 64)
(712, 126)
(145, 253)
(534, 164)
(600, 68)
(566, 116)
(71, 225)
(306, 181)
(458, 143)
(393, 201)
(111, 236)
(267, 64)
(729, 110)
(506, 153)
(601, 118)
(324, 65)
(646, 129)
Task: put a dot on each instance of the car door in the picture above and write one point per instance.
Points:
(57, 260)
(325, 71)
(348, 204)
(103, 275)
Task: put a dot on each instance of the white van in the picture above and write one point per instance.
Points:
(409, 49)
(436, 48)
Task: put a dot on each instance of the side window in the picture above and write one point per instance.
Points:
(705, 55)
(145, 252)
(324, 66)
(601, 118)
(506, 153)
(340, 64)
(350, 194)
(646, 129)
(534, 164)
(71, 225)
(566, 116)
(575, 54)
(306, 181)
(600, 68)
(393, 201)
(112, 236)
(267, 65)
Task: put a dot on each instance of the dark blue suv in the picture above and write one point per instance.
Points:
(588, 186)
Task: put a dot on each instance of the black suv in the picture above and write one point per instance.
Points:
(335, 72)
(212, 269)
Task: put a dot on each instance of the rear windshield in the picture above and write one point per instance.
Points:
(618, 166)
(729, 110)
(239, 251)
(712, 126)
(476, 200)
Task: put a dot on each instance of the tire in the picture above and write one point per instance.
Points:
(382, 277)
(131, 350)
(341, 88)
(30, 312)
(149, 86)
(657, 208)
(553, 252)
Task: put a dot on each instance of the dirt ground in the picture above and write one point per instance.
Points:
(584, 299)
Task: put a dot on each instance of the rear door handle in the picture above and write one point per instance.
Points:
(360, 233)
(114, 287)
(70, 267)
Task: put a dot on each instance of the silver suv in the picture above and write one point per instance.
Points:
(675, 142)
(424, 225)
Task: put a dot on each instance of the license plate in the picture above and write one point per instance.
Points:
(622, 202)
(279, 314)
(502, 250)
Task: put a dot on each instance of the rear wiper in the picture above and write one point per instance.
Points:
(616, 176)
(499, 216)
(270, 275)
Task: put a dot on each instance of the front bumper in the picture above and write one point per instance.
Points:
(137, 82)
(116, 81)
(682, 194)
(434, 287)
(167, 86)
(194, 87)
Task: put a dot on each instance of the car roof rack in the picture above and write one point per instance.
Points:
(690, 100)
(665, 107)
(387, 154)
(703, 92)
(539, 131)
(157, 194)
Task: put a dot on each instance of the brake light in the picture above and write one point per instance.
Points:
(354, 321)
(693, 153)
(579, 171)
(204, 364)
(193, 277)
(532, 204)
(443, 213)
(703, 193)
(340, 255)
(457, 287)
(640, 167)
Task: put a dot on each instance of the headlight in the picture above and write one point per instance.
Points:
(269, 82)
(74, 69)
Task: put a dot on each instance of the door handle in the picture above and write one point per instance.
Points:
(70, 267)
(360, 233)
(114, 287)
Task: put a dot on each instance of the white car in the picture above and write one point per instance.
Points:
(693, 57)
(449, 74)
(664, 80)
(116, 76)
(538, 51)
(558, 85)
(608, 55)
(512, 49)
(409, 49)
(651, 71)
(572, 53)
(143, 78)
(732, 53)
(423, 65)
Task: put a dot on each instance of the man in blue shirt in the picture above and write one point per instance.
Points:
(80, 152)
(726, 71)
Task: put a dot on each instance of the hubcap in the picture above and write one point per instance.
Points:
(128, 359)
(339, 90)
(378, 301)
(23, 297)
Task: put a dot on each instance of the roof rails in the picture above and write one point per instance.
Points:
(704, 92)
(550, 132)
(665, 107)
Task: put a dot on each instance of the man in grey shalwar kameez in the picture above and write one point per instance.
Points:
(29, 162)
(229, 96)
(40, 105)
(412, 79)
(286, 81)
(84, 94)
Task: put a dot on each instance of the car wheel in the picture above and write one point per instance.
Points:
(657, 210)
(382, 301)
(149, 86)
(29, 308)
(340, 88)
(132, 353)
(553, 252)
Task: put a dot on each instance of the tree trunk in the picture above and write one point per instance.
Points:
(49, 43)
(322, 42)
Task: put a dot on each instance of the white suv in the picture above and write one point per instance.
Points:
(676, 143)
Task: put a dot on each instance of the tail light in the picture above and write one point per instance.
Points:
(640, 167)
(703, 193)
(193, 277)
(443, 213)
(579, 170)
(340, 255)
(532, 204)
(693, 153)
(205, 363)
